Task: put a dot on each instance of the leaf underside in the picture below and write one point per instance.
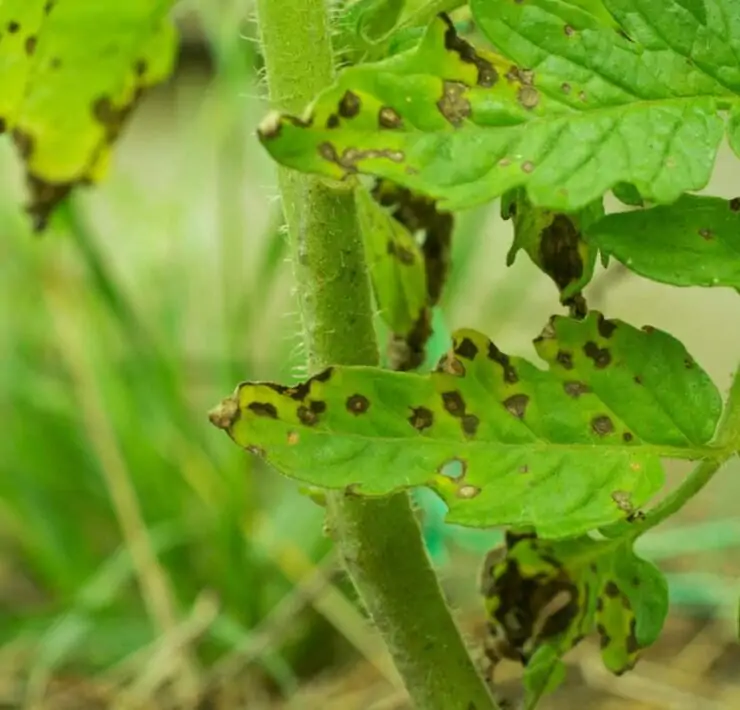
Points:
(71, 72)
(502, 442)
(544, 597)
(569, 109)
(693, 242)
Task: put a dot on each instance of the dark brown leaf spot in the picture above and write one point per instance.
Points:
(470, 424)
(599, 604)
(332, 121)
(569, 31)
(24, 142)
(611, 589)
(454, 403)
(466, 348)
(632, 645)
(263, 409)
(389, 118)
(30, 45)
(689, 363)
(503, 359)
(454, 105)
(349, 105)
(735, 204)
(307, 416)
(49, 6)
(565, 87)
(575, 389)
(524, 468)
(527, 166)
(582, 96)
(601, 356)
(517, 405)
(637, 379)
(606, 327)
(358, 404)
(421, 418)
(257, 451)
(602, 425)
(627, 437)
(605, 638)
(3, 125)
(13, 27)
(487, 74)
(706, 234)
(565, 359)
(649, 329)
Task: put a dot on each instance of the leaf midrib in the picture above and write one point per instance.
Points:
(690, 452)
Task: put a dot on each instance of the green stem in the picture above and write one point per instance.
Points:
(672, 503)
(379, 540)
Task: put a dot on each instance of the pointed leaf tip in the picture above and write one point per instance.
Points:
(225, 414)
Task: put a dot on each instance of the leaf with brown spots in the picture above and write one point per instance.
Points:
(543, 448)
(396, 265)
(71, 72)
(543, 597)
(579, 101)
(694, 242)
(554, 241)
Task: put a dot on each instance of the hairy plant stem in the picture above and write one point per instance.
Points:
(379, 540)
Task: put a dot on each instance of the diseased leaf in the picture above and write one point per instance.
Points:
(408, 248)
(396, 266)
(502, 442)
(693, 242)
(543, 597)
(575, 109)
(71, 72)
(554, 241)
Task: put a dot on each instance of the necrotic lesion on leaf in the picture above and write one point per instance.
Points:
(541, 594)
(71, 72)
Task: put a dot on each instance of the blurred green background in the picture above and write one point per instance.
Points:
(144, 560)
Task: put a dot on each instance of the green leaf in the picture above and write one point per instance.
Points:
(543, 597)
(694, 242)
(71, 72)
(373, 20)
(396, 266)
(576, 109)
(554, 241)
(502, 442)
(545, 673)
(628, 194)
